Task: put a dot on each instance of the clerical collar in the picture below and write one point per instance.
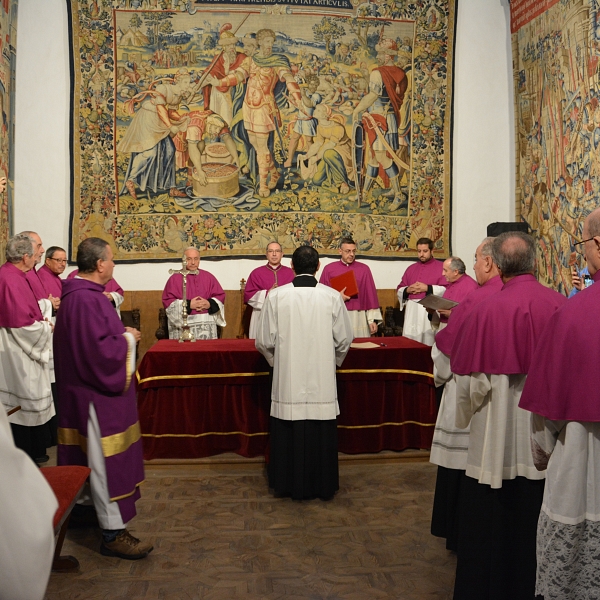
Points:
(345, 263)
(268, 265)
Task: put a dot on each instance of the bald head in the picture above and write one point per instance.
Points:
(514, 254)
(591, 248)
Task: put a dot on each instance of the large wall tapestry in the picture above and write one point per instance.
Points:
(556, 50)
(227, 125)
(8, 42)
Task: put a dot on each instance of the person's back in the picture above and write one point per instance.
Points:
(305, 319)
(304, 332)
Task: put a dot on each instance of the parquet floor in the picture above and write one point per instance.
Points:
(219, 534)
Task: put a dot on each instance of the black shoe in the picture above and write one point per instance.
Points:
(42, 459)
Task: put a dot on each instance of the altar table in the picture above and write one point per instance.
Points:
(209, 397)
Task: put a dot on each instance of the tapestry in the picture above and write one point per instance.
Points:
(8, 42)
(556, 49)
(226, 125)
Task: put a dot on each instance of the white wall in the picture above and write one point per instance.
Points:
(483, 172)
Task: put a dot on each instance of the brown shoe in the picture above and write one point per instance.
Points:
(126, 546)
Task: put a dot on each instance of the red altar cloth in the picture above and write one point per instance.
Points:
(213, 396)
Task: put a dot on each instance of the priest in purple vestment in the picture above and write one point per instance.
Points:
(561, 393)
(423, 278)
(98, 420)
(25, 341)
(112, 290)
(460, 285)
(450, 444)
(205, 300)
(263, 279)
(48, 302)
(54, 266)
(363, 308)
(501, 493)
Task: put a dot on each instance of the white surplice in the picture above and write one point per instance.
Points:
(25, 374)
(256, 302)
(568, 534)
(450, 444)
(26, 532)
(416, 320)
(499, 438)
(204, 326)
(360, 320)
(304, 332)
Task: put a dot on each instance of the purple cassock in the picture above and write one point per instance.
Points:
(429, 273)
(202, 284)
(51, 281)
(19, 305)
(37, 287)
(111, 286)
(560, 384)
(263, 278)
(445, 338)
(366, 298)
(500, 335)
(458, 290)
(90, 360)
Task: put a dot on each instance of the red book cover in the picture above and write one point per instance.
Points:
(345, 280)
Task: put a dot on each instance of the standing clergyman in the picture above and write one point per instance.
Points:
(304, 333)
(501, 493)
(363, 308)
(98, 420)
(263, 279)
(566, 437)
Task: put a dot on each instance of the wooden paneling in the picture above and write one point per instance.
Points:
(149, 303)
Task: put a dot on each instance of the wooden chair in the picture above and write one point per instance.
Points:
(132, 318)
(67, 484)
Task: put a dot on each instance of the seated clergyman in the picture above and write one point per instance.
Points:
(205, 300)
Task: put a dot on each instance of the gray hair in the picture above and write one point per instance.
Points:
(486, 246)
(89, 252)
(514, 253)
(456, 264)
(17, 246)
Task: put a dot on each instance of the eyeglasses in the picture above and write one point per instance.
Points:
(60, 260)
(577, 244)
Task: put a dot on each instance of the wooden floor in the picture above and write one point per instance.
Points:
(219, 534)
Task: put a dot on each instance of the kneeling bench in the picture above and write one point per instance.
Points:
(67, 484)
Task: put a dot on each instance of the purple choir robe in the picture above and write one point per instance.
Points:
(458, 290)
(560, 384)
(263, 278)
(111, 286)
(445, 338)
(37, 287)
(19, 305)
(429, 273)
(366, 299)
(500, 335)
(91, 363)
(51, 281)
(202, 284)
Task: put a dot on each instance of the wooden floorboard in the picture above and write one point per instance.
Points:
(219, 534)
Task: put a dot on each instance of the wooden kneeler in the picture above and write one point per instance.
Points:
(67, 484)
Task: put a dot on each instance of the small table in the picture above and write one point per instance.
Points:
(209, 397)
